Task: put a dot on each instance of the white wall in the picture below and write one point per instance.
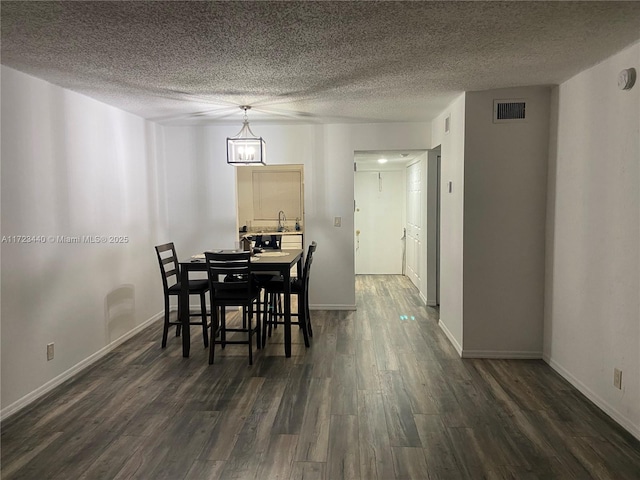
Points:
(71, 166)
(492, 224)
(592, 306)
(452, 218)
(326, 151)
(198, 202)
(505, 169)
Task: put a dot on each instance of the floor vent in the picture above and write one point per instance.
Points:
(509, 110)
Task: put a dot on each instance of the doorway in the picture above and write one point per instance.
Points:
(397, 217)
(380, 210)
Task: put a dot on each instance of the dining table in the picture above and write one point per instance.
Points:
(278, 261)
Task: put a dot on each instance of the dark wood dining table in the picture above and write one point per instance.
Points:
(281, 261)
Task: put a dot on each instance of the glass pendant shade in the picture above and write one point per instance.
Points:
(245, 148)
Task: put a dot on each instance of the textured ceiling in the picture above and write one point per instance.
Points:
(196, 62)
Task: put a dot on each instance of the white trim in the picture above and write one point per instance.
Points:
(508, 354)
(424, 299)
(329, 306)
(53, 383)
(595, 398)
(450, 336)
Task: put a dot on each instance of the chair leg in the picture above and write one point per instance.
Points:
(165, 328)
(277, 308)
(258, 326)
(178, 326)
(272, 318)
(218, 327)
(223, 327)
(213, 331)
(246, 320)
(307, 317)
(302, 320)
(203, 311)
(265, 313)
(265, 319)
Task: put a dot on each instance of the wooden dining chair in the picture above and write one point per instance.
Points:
(300, 287)
(232, 285)
(170, 270)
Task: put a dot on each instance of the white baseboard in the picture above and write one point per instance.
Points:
(51, 384)
(595, 398)
(450, 336)
(327, 306)
(423, 298)
(508, 354)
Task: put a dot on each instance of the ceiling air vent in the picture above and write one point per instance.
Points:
(509, 111)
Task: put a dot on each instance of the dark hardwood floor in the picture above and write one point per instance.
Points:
(377, 396)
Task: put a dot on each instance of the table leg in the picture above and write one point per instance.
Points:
(183, 311)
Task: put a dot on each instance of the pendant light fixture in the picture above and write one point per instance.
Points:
(245, 148)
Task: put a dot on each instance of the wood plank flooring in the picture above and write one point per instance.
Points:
(376, 396)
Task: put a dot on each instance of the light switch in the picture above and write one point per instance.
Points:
(337, 221)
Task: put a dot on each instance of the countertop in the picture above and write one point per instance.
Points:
(291, 232)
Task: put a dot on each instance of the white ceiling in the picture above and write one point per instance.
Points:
(197, 62)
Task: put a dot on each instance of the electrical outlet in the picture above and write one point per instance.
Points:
(617, 378)
(49, 351)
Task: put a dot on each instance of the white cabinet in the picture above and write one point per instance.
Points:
(274, 191)
(292, 241)
(289, 240)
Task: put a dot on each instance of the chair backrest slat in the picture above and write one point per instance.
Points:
(228, 271)
(170, 273)
(307, 264)
(169, 266)
(165, 247)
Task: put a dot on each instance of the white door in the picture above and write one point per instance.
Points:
(378, 242)
(414, 222)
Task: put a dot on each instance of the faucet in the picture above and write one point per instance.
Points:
(281, 219)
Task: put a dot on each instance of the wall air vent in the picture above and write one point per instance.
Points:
(509, 111)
